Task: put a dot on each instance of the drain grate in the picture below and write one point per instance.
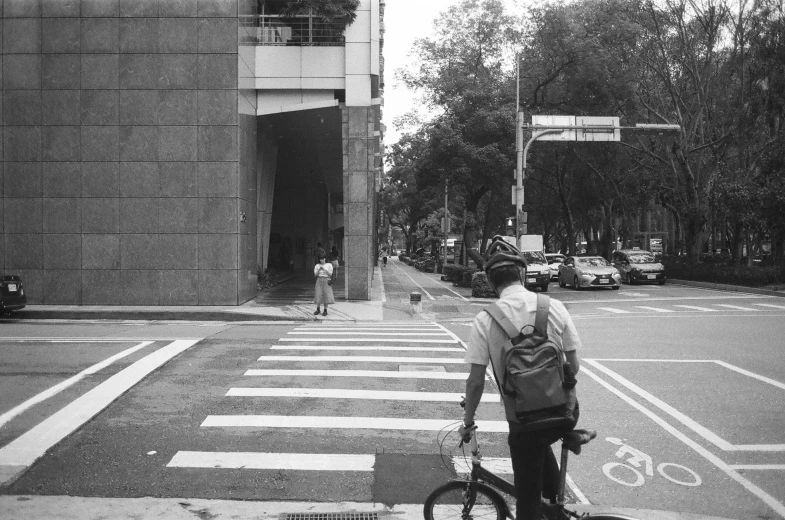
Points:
(332, 516)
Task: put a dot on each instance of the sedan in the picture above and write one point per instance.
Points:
(12, 293)
(554, 261)
(588, 271)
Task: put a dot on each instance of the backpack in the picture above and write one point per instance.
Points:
(537, 381)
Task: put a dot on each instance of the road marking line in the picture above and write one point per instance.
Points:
(56, 389)
(654, 359)
(770, 305)
(753, 375)
(279, 461)
(778, 467)
(376, 325)
(687, 421)
(89, 340)
(734, 307)
(366, 359)
(498, 465)
(335, 393)
(415, 283)
(326, 422)
(368, 328)
(367, 333)
(777, 506)
(27, 448)
(654, 309)
(616, 311)
(387, 374)
(395, 340)
(334, 347)
(696, 308)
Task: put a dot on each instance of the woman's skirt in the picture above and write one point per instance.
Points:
(324, 292)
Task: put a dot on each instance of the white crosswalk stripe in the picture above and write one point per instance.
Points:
(654, 309)
(696, 308)
(734, 307)
(312, 345)
(615, 311)
(770, 305)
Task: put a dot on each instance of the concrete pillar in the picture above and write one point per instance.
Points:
(358, 198)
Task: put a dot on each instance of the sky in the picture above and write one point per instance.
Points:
(404, 20)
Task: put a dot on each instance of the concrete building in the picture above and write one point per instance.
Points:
(160, 152)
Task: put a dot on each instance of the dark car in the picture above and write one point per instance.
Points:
(638, 266)
(12, 293)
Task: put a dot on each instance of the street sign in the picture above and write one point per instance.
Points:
(607, 128)
(563, 135)
(515, 198)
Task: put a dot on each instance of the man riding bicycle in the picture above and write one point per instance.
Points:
(533, 463)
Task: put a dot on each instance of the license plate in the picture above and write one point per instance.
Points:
(531, 280)
(605, 281)
(651, 276)
(12, 287)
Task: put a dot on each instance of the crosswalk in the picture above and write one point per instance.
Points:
(344, 367)
(681, 308)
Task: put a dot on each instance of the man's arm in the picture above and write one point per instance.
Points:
(572, 359)
(475, 384)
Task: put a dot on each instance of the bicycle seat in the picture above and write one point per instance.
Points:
(574, 439)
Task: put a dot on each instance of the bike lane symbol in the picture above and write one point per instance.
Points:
(637, 459)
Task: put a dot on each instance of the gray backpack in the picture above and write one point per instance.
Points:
(537, 382)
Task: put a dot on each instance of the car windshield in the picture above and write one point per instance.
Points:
(594, 261)
(534, 257)
(556, 260)
(642, 258)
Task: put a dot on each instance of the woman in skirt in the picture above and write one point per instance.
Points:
(323, 271)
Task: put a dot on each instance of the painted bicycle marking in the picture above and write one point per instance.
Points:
(635, 459)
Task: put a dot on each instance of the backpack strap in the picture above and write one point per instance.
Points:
(543, 310)
(503, 321)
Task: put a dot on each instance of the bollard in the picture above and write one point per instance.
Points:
(415, 299)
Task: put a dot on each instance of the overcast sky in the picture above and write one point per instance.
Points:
(405, 20)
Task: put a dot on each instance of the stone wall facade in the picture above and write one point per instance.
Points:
(128, 170)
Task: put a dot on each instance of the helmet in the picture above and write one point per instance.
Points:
(501, 253)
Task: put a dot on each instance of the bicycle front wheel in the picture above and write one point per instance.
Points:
(466, 501)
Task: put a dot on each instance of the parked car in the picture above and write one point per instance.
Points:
(12, 293)
(588, 271)
(638, 266)
(554, 260)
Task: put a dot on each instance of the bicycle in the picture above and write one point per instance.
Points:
(480, 495)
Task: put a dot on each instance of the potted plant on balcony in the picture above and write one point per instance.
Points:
(328, 10)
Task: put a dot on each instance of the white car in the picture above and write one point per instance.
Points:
(588, 271)
(554, 259)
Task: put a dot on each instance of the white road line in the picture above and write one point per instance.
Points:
(498, 465)
(649, 360)
(430, 328)
(770, 305)
(376, 325)
(392, 340)
(753, 375)
(56, 389)
(386, 374)
(324, 422)
(380, 348)
(336, 393)
(769, 500)
(28, 339)
(696, 308)
(654, 309)
(687, 421)
(367, 333)
(415, 283)
(364, 359)
(616, 311)
(734, 307)
(27, 448)
(279, 461)
(776, 467)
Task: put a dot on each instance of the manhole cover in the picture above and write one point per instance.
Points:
(421, 368)
(332, 516)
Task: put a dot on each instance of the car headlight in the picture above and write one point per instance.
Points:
(587, 275)
(616, 275)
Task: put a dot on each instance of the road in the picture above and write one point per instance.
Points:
(684, 385)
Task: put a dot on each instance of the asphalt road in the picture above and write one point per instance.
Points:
(685, 387)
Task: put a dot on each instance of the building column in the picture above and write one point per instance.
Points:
(358, 197)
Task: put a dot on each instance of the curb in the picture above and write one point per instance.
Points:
(145, 316)
(727, 287)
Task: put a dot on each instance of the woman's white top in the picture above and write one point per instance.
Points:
(324, 270)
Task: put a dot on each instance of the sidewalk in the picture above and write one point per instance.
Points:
(23, 507)
(291, 300)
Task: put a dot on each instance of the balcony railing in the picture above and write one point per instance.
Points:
(302, 30)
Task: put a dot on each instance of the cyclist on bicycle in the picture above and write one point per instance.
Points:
(533, 463)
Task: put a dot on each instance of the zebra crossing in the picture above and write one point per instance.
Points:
(706, 308)
(347, 367)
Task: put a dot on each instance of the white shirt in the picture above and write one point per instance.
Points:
(324, 270)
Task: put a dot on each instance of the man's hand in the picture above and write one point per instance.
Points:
(465, 431)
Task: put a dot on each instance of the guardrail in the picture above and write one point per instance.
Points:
(296, 31)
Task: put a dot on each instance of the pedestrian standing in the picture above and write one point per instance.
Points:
(323, 291)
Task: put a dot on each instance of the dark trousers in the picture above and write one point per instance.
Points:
(535, 468)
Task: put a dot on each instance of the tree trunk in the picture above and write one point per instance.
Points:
(470, 235)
